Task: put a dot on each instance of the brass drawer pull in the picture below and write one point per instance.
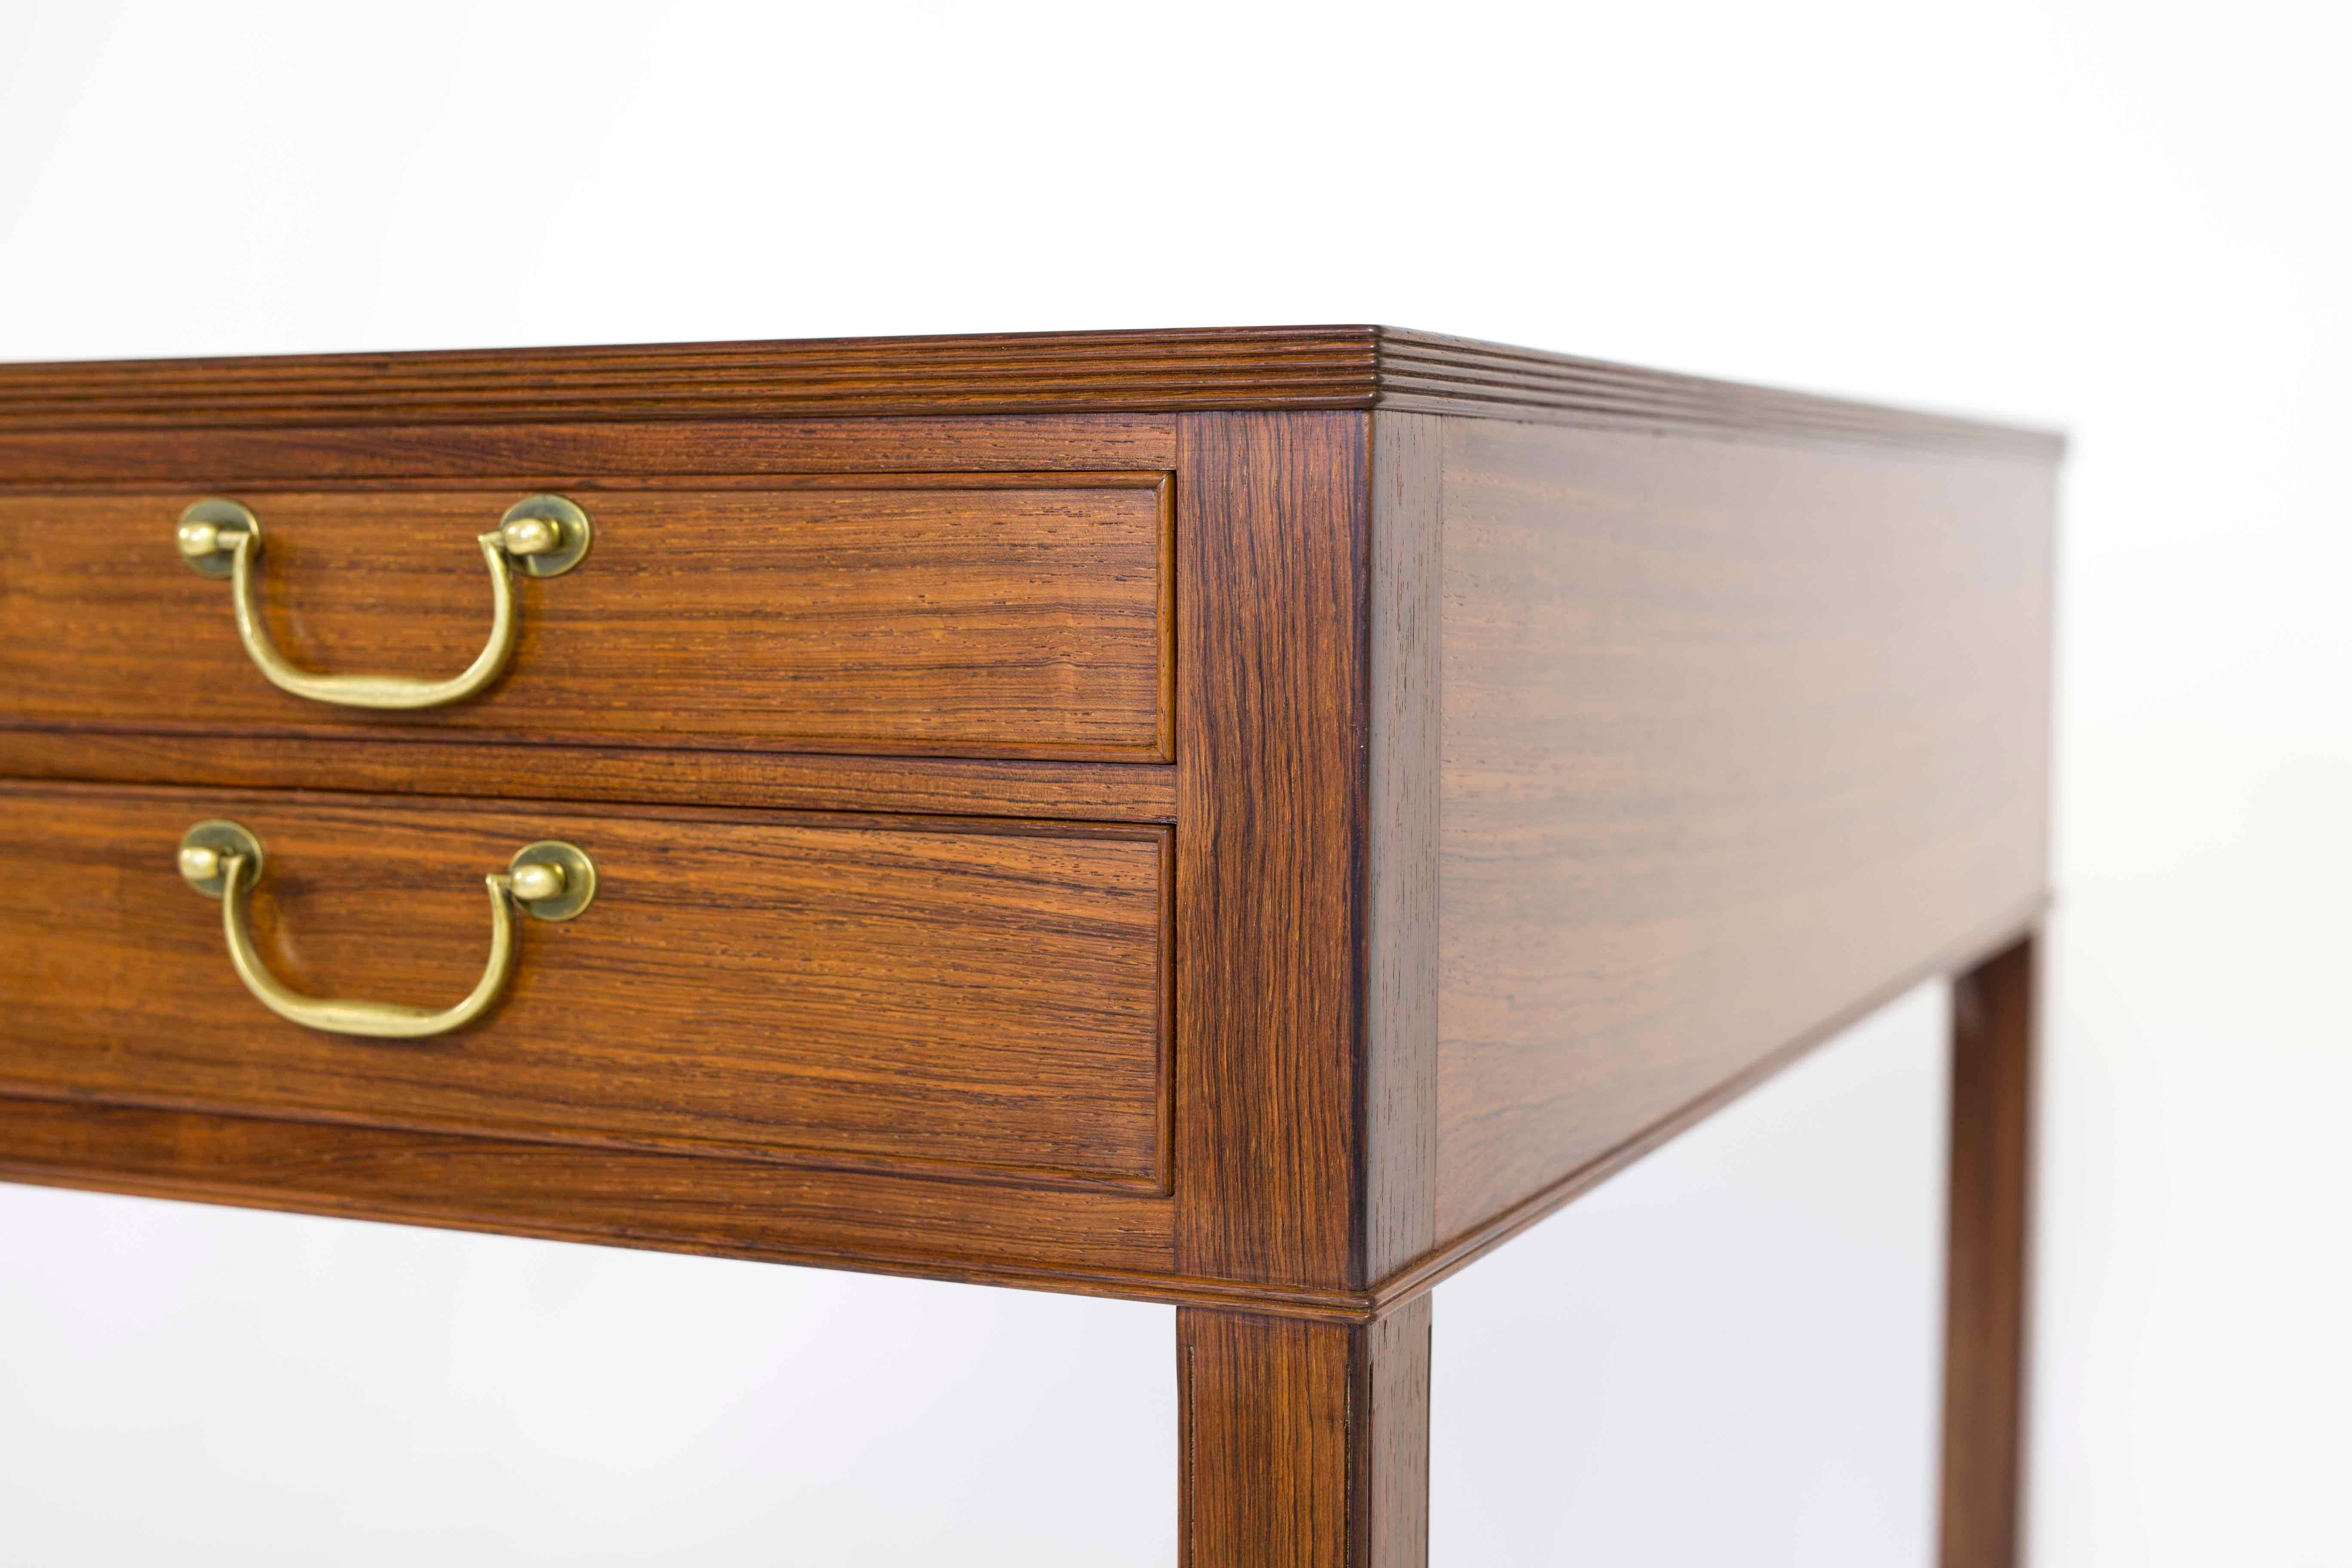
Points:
(550, 881)
(546, 536)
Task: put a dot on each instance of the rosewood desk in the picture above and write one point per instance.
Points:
(1248, 819)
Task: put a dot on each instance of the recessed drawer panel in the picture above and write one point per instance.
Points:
(936, 996)
(975, 615)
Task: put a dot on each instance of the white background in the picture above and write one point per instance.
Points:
(2127, 219)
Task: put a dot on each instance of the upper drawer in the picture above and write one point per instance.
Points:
(1014, 615)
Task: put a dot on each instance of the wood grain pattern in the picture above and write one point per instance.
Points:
(1262, 1441)
(1392, 1442)
(409, 762)
(1402, 770)
(914, 994)
(552, 455)
(1264, 1444)
(1303, 1445)
(1278, 810)
(1464, 1247)
(1095, 1241)
(1431, 372)
(1235, 368)
(1989, 1256)
(1733, 735)
(1024, 616)
(1271, 728)
(1215, 368)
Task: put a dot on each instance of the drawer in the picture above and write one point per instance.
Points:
(984, 616)
(932, 996)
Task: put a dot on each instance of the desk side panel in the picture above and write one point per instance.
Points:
(1735, 738)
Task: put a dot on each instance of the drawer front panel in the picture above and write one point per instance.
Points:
(976, 616)
(864, 994)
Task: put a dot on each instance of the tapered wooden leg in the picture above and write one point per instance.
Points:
(1985, 1300)
(1305, 1445)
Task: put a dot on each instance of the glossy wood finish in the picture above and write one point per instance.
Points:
(1403, 768)
(650, 451)
(905, 993)
(1093, 1241)
(1532, 755)
(418, 763)
(1989, 1257)
(1734, 734)
(1304, 1445)
(1466, 1247)
(1246, 368)
(1270, 845)
(952, 614)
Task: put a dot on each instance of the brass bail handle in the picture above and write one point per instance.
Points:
(543, 536)
(550, 881)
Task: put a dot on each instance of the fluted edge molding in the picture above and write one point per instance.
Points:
(1035, 373)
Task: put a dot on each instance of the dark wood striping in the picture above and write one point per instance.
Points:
(1304, 1445)
(1403, 772)
(825, 990)
(552, 455)
(1270, 742)
(1096, 1241)
(1233, 369)
(1734, 734)
(1024, 617)
(1247, 819)
(422, 764)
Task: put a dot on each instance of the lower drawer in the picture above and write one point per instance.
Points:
(883, 993)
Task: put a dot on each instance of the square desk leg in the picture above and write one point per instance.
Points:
(1985, 1271)
(1304, 1445)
